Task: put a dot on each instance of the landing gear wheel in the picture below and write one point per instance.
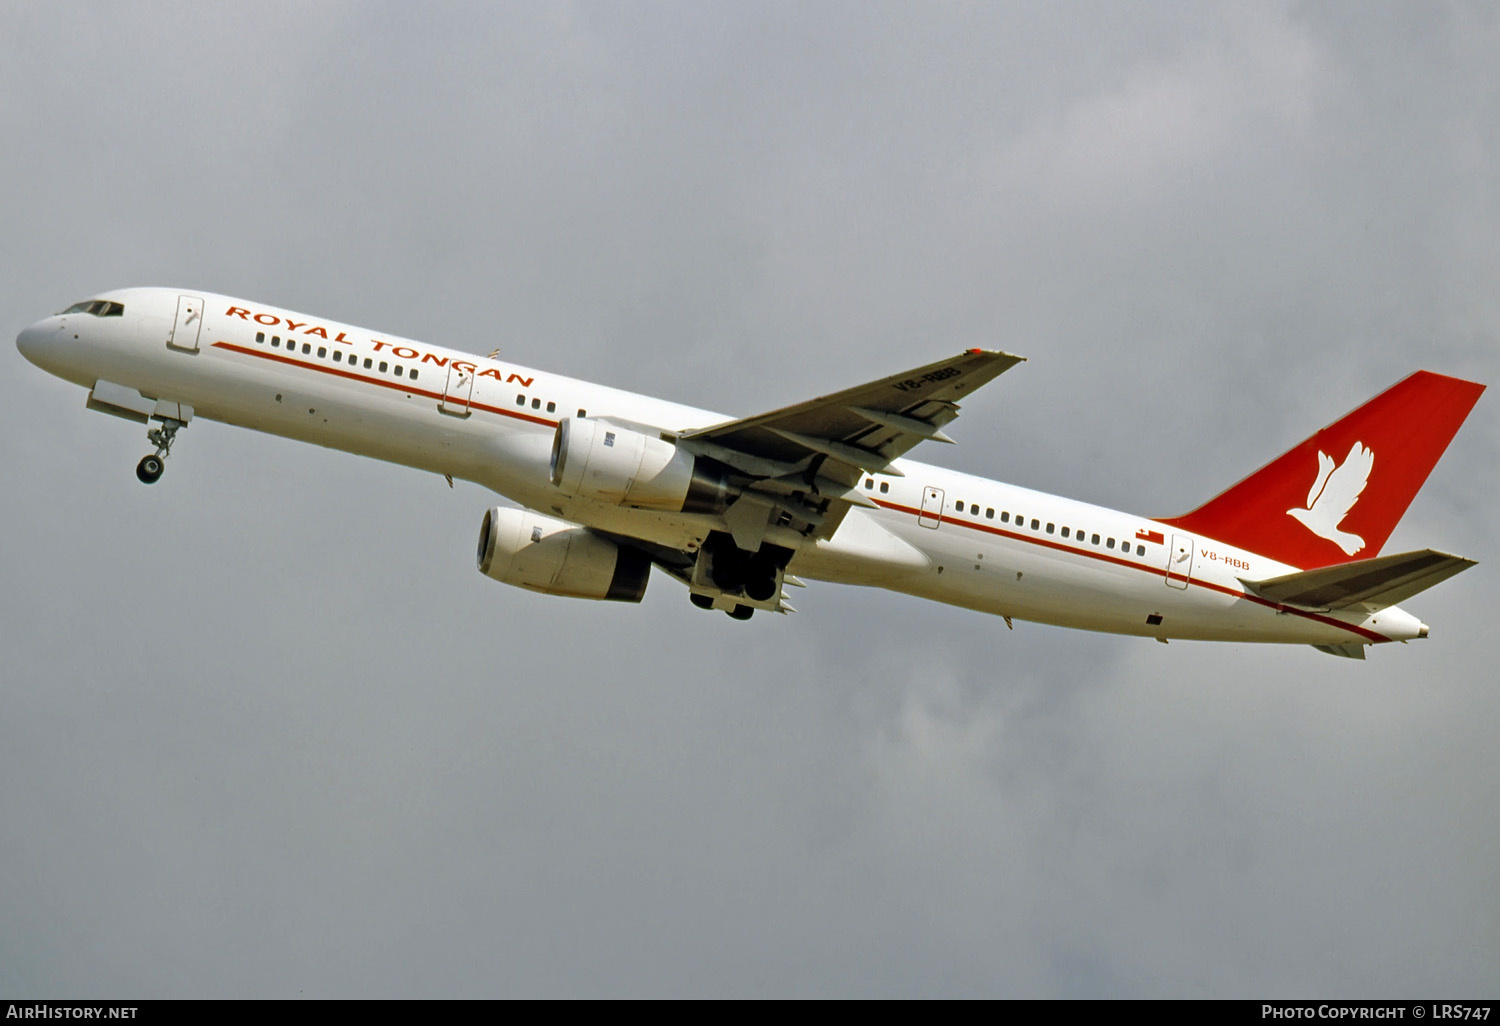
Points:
(701, 601)
(149, 469)
(761, 589)
(741, 612)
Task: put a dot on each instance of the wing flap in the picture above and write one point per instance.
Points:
(1379, 582)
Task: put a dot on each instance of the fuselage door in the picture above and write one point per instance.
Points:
(458, 390)
(188, 324)
(1180, 561)
(932, 507)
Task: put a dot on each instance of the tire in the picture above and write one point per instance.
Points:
(149, 470)
(761, 589)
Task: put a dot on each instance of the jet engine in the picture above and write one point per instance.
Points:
(523, 548)
(594, 459)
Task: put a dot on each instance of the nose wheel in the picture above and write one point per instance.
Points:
(150, 469)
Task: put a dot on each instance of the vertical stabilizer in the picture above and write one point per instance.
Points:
(1337, 496)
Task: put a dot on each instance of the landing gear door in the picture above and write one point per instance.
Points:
(1180, 561)
(458, 390)
(932, 507)
(187, 325)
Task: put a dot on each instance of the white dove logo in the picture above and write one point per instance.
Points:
(1334, 494)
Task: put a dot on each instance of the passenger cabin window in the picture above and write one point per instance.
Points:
(885, 486)
(551, 407)
(383, 366)
(1064, 532)
(520, 400)
(260, 336)
(322, 352)
(989, 514)
(1140, 550)
(306, 348)
(869, 483)
(1050, 528)
(1035, 523)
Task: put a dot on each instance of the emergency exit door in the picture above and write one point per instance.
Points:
(932, 507)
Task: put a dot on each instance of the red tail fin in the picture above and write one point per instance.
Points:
(1337, 496)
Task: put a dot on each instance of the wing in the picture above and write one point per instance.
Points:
(1347, 482)
(1325, 467)
(804, 461)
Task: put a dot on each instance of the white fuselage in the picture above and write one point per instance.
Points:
(936, 533)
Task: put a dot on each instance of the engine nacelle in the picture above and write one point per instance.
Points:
(593, 459)
(523, 548)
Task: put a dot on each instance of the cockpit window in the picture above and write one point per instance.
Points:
(98, 307)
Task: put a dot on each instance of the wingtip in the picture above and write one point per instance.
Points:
(994, 352)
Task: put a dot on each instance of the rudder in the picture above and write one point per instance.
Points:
(1338, 495)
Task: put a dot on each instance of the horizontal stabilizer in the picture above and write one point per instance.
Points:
(1379, 582)
(1351, 651)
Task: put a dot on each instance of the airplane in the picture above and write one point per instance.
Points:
(610, 484)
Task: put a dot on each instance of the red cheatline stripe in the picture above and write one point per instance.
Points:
(1153, 571)
(393, 385)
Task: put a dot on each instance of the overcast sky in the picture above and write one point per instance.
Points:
(265, 731)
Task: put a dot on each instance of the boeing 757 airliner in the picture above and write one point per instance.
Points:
(610, 483)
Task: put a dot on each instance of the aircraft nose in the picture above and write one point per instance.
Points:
(32, 340)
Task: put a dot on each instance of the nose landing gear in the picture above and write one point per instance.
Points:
(150, 469)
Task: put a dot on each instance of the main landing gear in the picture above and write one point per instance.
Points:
(150, 469)
(739, 612)
(736, 581)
